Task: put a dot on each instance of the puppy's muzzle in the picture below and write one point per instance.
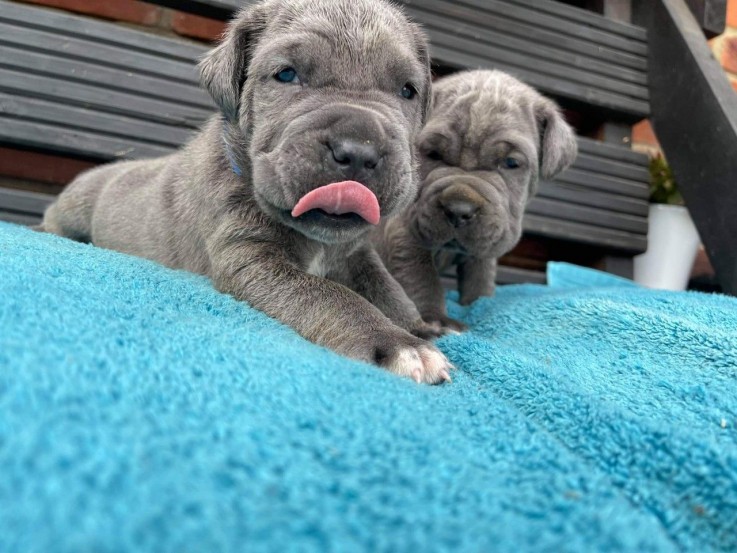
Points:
(350, 155)
(461, 204)
(356, 145)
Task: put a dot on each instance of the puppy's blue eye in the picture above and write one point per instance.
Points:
(409, 91)
(286, 75)
(510, 163)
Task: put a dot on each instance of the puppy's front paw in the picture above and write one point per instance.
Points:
(426, 331)
(410, 357)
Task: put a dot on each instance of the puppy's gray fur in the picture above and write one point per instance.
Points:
(190, 210)
(470, 206)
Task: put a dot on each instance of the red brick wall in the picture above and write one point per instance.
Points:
(725, 50)
(128, 10)
(143, 14)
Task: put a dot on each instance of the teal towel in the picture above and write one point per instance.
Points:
(142, 411)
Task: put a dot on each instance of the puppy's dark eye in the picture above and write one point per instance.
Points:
(409, 91)
(510, 163)
(434, 155)
(286, 75)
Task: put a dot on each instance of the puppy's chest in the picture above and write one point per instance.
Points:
(318, 264)
(323, 259)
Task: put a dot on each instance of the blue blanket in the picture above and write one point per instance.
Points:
(142, 411)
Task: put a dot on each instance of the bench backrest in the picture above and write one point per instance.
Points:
(80, 87)
(86, 88)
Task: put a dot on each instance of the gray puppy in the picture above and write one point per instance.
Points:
(274, 199)
(489, 140)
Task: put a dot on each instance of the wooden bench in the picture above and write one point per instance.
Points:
(80, 87)
(75, 86)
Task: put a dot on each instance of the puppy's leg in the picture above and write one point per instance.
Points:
(365, 274)
(413, 267)
(323, 311)
(476, 278)
(71, 214)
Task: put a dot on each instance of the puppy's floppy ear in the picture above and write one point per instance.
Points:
(422, 47)
(223, 70)
(439, 94)
(558, 147)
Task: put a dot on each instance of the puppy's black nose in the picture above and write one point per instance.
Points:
(354, 155)
(459, 212)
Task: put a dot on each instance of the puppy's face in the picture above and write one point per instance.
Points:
(327, 91)
(489, 140)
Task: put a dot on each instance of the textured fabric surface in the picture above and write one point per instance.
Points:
(142, 411)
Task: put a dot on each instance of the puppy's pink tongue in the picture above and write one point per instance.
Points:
(339, 198)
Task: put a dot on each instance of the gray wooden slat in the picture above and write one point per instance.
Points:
(604, 183)
(588, 234)
(99, 75)
(517, 12)
(99, 32)
(509, 44)
(505, 274)
(496, 21)
(514, 275)
(582, 195)
(546, 207)
(631, 109)
(74, 142)
(496, 47)
(19, 107)
(613, 151)
(449, 283)
(101, 98)
(94, 52)
(586, 17)
(19, 218)
(608, 166)
(23, 201)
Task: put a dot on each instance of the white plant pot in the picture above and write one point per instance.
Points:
(672, 244)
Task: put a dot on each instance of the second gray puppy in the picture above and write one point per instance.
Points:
(489, 140)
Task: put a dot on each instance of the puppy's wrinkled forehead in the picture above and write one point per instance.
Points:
(484, 102)
(342, 43)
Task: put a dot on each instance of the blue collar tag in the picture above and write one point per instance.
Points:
(231, 159)
(229, 152)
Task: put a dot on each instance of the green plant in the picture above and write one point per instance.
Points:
(663, 187)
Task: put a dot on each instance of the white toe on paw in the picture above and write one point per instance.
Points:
(422, 364)
(437, 366)
(407, 362)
